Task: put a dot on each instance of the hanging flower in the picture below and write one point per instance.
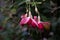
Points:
(28, 20)
(34, 23)
(24, 19)
(40, 25)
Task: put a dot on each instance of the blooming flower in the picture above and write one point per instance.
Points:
(28, 20)
(40, 25)
(34, 23)
(24, 19)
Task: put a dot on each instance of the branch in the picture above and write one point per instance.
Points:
(54, 9)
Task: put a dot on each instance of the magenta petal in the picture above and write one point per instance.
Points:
(23, 15)
(40, 26)
(24, 20)
(35, 18)
(29, 21)
(34, 23)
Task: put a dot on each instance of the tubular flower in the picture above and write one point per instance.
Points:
(40, 25)
(34, 23)
(28, 20)
(24, 19)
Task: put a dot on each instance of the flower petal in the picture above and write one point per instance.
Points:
(35, 18)
(24, 20)
(24, 15)
(40, 26)
(34, 23)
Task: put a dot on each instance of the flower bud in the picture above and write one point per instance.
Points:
(36, 10)
(30, 15)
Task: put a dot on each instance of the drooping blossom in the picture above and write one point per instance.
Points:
(40, 25)
(34, 23)
(28, 20)
(24, 20)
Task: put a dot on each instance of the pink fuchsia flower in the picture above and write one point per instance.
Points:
(40, 25)
(34, 23)
(24, 19)
(28, 20)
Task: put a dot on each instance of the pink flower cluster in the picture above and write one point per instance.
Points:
(34, 22)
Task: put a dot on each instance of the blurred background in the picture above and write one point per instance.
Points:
(11, 11)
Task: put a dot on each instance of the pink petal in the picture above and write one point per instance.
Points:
(23, 15)
(34, 23)
(29, 21)
(24, 20)
(35, 18)
(40, 26)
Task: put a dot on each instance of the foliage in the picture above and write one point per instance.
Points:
(11, 11)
